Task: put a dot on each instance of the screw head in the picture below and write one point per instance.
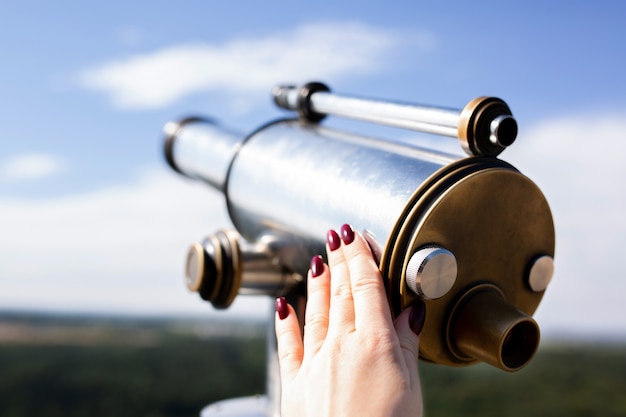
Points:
(540, 273)
(431, 272)
(194, 267)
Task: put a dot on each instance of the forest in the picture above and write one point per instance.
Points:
(93, 366)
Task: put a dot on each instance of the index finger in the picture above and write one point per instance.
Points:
(371, 308)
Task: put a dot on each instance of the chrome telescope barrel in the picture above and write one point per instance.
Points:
(203, 149)
(291, 180)
(473, 237)
(484, 127)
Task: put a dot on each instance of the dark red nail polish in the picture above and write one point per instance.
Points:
(417, 316)
(281, 308)
(333, 240)
(317, 266)
(347, 234)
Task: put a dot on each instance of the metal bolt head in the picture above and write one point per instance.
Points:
(540, 273)
(194, 267)
(431, 272)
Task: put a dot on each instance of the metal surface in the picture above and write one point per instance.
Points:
(290, 181)
(431, 272)
(486, 127)
(490, 132)
(224, 265)
(295, 181)
(201, 149)
(540, 273)
(495, 221)
(513, 336)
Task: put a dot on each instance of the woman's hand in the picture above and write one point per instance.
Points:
(354, 360)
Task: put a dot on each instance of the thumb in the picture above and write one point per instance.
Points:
(408, 326)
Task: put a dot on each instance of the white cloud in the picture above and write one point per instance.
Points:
(314, 51)
(30, 166)
(115, 250)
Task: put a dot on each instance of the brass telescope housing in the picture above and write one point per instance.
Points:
(473, 237)
(486, 315)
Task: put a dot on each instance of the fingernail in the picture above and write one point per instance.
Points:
(317, 266)
(417, 316)
(347, 234)
(281, 308)
(333, 240)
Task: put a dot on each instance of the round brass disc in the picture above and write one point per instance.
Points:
(496, 222)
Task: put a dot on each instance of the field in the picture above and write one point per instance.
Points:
(73, 366)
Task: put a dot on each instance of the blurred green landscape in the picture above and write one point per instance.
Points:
(98, 366)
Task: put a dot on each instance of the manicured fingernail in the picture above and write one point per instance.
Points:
(417, 316)
(317, 266)
(333, 240)
(281, 308)
(347, 234)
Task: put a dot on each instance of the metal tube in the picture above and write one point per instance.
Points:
(484, 127)
(440, 121)
(295, 180)
(199, 148)
(508, 342)
(409, 116)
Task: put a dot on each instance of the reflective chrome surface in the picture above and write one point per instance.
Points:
(314, 101)
(431, 272)
(202, 150)
(296, 181)
(409, 116)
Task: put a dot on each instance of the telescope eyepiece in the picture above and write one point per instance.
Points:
(503, 131)
(484, 326)
(519, 344)
(225, 265)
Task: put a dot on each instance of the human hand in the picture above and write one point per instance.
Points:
(354, 359)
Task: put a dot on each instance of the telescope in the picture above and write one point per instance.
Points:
(471, 236)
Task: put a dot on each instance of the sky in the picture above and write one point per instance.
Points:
(92, 220)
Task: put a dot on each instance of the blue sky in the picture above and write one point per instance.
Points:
(93, 220)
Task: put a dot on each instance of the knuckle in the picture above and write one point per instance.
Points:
(287, 355)
(285, 333)
(408, 344)
(377, 341)
(366, 282)
(336, 260)
(342, 292)
(317, 288)
(315, 320)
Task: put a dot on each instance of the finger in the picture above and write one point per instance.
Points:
(371, 308)
(288, 340)
(317, 306)
(341, 313)
(408, 328)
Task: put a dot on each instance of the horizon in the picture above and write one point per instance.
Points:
(561, 338)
